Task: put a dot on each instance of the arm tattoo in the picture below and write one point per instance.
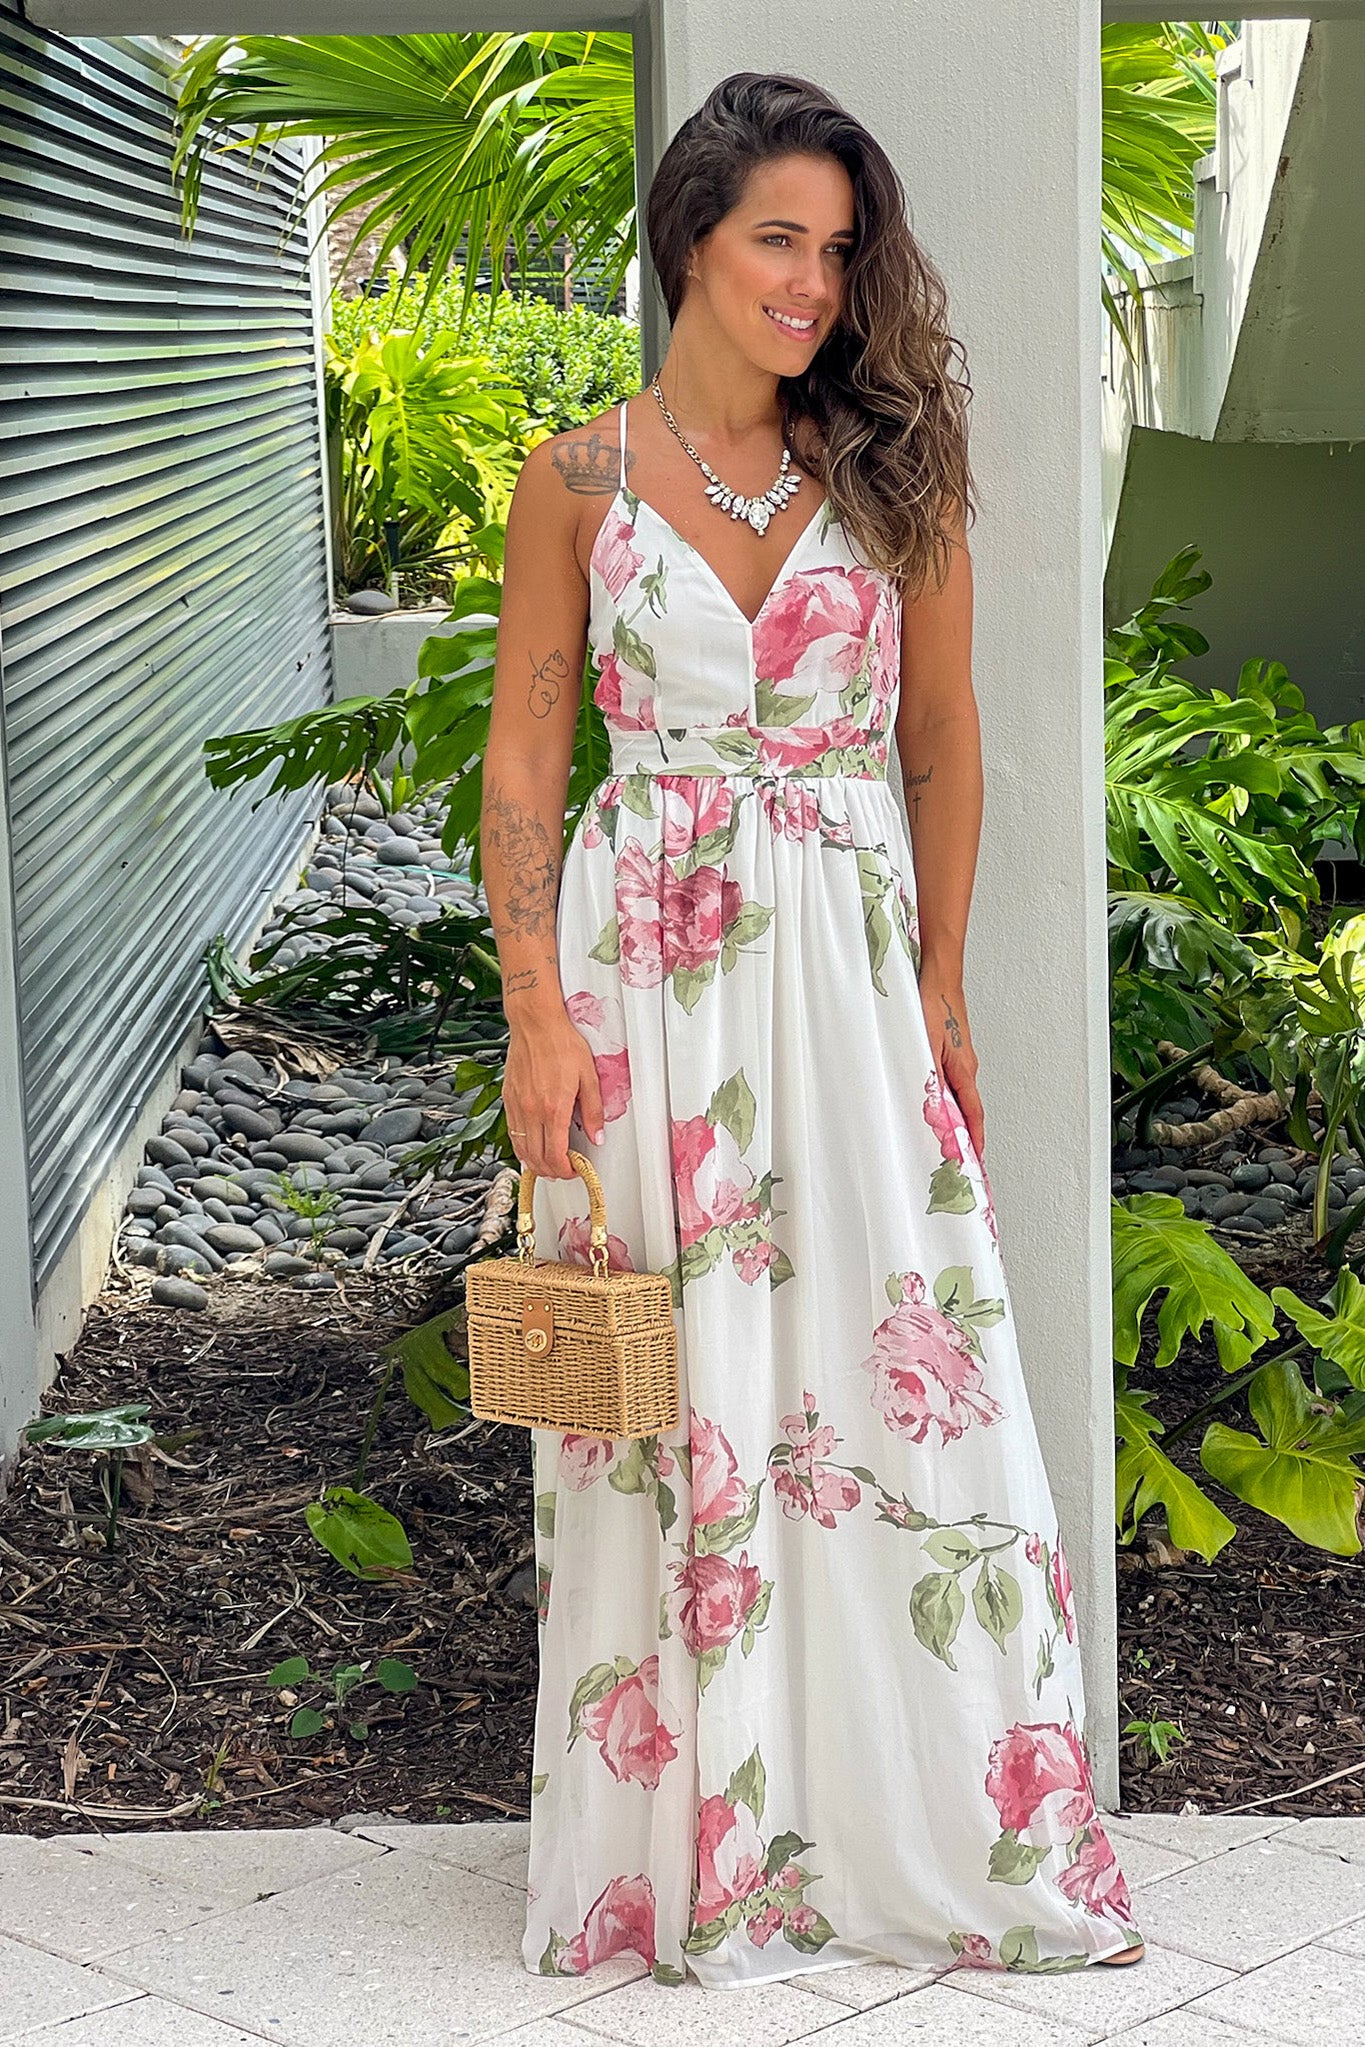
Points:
(547, 680)
(530, 865)
(913, 784)
(952, 1025)
(591, 465)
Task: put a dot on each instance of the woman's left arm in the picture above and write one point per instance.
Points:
(938, 736)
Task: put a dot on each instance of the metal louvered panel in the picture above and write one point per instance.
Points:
(162, 577)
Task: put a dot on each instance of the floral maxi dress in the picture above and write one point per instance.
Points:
(809, 1682)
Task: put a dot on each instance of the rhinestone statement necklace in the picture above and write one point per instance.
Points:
(759, 510)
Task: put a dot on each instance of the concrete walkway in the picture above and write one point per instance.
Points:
(409, 1936)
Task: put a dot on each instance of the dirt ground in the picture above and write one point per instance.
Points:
(134, 1684)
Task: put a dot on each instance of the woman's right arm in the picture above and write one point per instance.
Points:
(542, 642)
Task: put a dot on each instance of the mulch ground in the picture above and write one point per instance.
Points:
(1258, 1657)
(133, 1681)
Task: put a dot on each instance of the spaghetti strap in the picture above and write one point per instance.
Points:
(623, 439)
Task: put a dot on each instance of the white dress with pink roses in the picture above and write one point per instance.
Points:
(810, 1690)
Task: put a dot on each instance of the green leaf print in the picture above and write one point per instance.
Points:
(1019, 1950)
(538, 1782)
(782, 1849)
(545, 1514)
(664, 1972)
(774, 707)
(811, 1938)
(1045, 1665)
(636, 794)
(594, 1684)
(751, 923)
(712, 1538)
(749, 1784)
(1014, 1861)
(950, 1191)
(936, 1610)
(952, 1549)
(704, 1253)
(689, 982)
(998, 1601)
(637, 653)
(734, 1108)
(608, 946)
(708, 1663)
(780, 1268)
(702, 1939)
(654, 587)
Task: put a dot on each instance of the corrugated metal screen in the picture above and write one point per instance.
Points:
(162, 576)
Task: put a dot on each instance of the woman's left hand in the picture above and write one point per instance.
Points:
(950, 1040)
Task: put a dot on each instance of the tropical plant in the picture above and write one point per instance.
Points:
(571, 363)
(475, 144)
(424, 448)
(1307, 1399)
(440, 145)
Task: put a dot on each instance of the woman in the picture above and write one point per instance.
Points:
(810, 1690)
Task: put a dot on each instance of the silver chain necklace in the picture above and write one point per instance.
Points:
(759, 510)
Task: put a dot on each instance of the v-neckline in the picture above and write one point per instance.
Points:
(784, 567)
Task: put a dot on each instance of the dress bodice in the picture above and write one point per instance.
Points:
(688, 683)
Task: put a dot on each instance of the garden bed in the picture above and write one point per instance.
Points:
(135, 1680)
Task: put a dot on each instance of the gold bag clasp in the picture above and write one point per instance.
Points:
(537, 1323)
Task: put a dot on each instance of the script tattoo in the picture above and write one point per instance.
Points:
(547, 680)
(912, 788)
(590, 464)
(529, 862)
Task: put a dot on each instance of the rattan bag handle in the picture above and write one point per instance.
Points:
(597, 1208)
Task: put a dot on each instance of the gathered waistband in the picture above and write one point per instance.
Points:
(748, 753)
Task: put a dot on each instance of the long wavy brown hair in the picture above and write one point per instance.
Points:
(879, 417)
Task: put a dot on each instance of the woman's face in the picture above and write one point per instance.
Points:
(771, 272)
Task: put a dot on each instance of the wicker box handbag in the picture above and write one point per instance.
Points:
(559, 1345)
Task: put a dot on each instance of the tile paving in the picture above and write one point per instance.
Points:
(409, 1936)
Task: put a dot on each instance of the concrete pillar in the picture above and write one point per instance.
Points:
(991, 115)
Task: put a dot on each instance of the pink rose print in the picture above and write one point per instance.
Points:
(764, 1925)
(809, 612)
(583, 1459)
(604, 797)
(620, 1918)
(1039, 1775)
(801, 1918)
(712, 1599)
(602, 1022)
(802, 1483)
(946, 1120)
(792, 812)
(714, 1186)
(1033, 1549)
(718, 1491)
(1094, 1880)
(698, 909)
(884, 667)
(925, 1373)
(751, 1261)
(729, 1856)
(627, 1724)
(617, 562)
(639, 898)
(575, 1245)
(1060, 1574)
(624, 696)
(796, 746)
(976, 1951)
(693, 806)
